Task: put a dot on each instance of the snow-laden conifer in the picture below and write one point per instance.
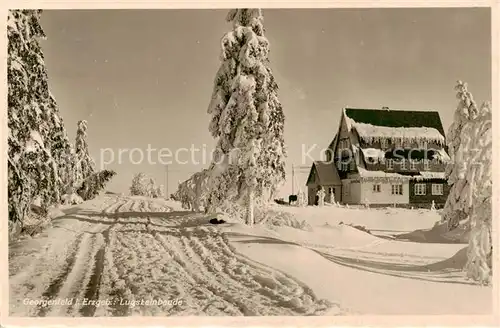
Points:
(477, 192)
(454, 212)
(246, 119)
(36, 137)
(469, 200)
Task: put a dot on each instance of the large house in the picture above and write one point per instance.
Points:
(384, 157)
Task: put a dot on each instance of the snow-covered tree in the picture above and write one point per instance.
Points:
(85, 165)
(145, 186)
(466, 111)
(36, 136)
(301, 198)
(247, 118)
(138, 187)
(332, 198)
(477, 193)
(274, 152)
(193, 192)
(159, 192)
(469, 201)
(41, 163)
(433, 206)
(86, 180)
(321, 196)
(150, 187)
(95, 183)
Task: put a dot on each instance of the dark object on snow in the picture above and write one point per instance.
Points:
(292, 198)
(217, 221)
(280, 201)
(359, 227)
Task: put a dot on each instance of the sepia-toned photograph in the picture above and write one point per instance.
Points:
(249, 162)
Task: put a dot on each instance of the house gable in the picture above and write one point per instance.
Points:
(375, 133)
(348, 141)
(323, 173)
(330, 151)
(313, 175)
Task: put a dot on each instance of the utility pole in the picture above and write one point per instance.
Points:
(166, 183)
(293, 180)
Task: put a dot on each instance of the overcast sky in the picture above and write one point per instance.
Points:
(145, 77)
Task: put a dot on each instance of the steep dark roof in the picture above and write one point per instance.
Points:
(397, 118)
(326, 172)
(332, 144)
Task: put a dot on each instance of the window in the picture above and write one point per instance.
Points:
(420, 189)
(437, 189)
(426, 165)
(389, 164)
(376, 187)
(344, 167)
(343, 144)
(398, 143)
(397, 189)
(352, 164)
(383, 143)
(403, 164)
(413, 165)
(422, 144)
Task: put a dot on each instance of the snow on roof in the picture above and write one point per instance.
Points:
(373, 153)
(370, 133)
(425, 175)
(442, 155)
(367, 174)
(372, 124)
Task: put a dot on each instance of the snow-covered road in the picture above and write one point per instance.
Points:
(130, 256)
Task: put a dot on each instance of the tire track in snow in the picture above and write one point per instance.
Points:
(113, 287)
(134, 258)
(114, 206)
(210, 296)
(92, 288)
(252, 290)
(201, 258)
(282, 291)
(74, 280)
(73, 275)
(55, 285)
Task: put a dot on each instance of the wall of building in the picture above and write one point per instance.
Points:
(439, 200)
(351, 191)
(385, 195)
(311, 193)
(337, 191)
(344, 134)
(312, 189)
